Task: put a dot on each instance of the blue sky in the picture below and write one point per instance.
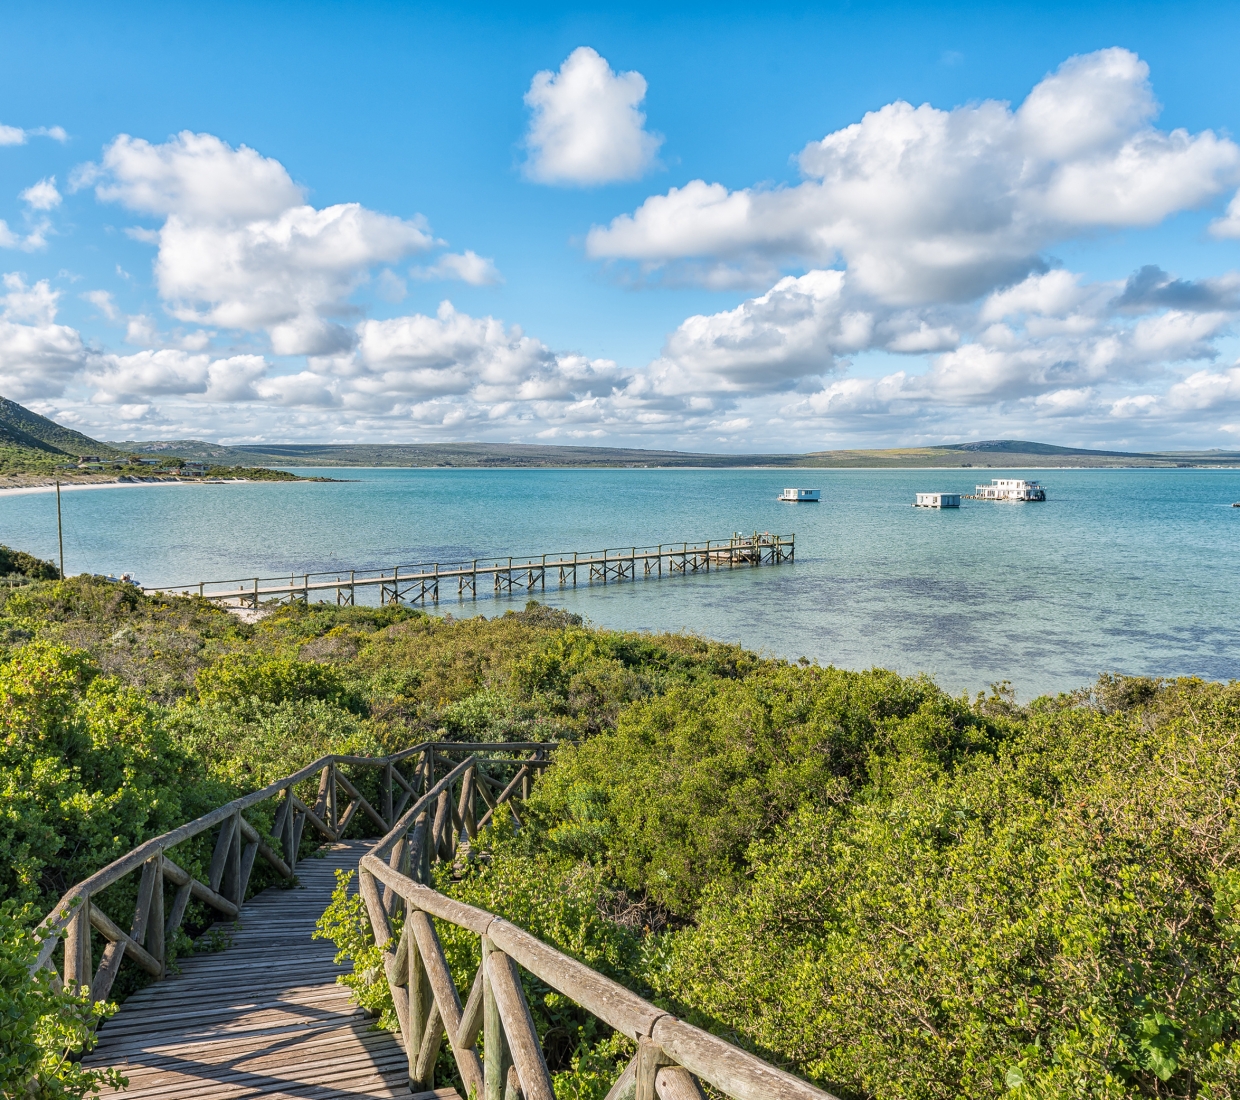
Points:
(677, 333)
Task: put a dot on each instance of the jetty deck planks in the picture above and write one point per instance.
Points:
(265, 1018)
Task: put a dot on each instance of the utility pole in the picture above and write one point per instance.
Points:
(60, 531)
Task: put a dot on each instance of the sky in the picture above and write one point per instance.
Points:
(711, 227)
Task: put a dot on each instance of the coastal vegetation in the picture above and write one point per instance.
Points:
(891, 891)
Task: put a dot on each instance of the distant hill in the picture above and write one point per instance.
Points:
(29, 441)
(19, 427)
(993, 453)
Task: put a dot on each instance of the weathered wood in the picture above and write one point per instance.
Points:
(370, 811)
(471, 1014)
(77, 946)
(440, 839)
(231, 884)
(729, 1069)
(469, 799)
(391, 898)
(251, 835)
(248, 854)
(609, 1001)
(625, 1087)
(219, 858)
(115, 934)
(512, 1085)
(177, 913)
(263, 1019)
(416, 849)
(200, 890)
(447, 998)
(332, 815)
(388, 817)
(343, 823)
(155, 940)
(677, 1083)
(446, 995)
(527, 1054)
(142, 907)
(420, 1001)
(495, 1066)
(109, 967)
(432, 1040)
(649, 1059)
(431, 901)
(314, 819)
(379, 923)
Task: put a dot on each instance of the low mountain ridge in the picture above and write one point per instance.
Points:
(20, 427)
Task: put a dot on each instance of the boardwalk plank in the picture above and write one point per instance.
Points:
(263, 1018)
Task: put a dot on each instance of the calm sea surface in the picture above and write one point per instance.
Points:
(1134, 571)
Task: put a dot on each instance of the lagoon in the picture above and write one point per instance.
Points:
(1132, 571)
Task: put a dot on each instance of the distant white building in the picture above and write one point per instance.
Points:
(938, 500)
(1010, 488)
(801, 496)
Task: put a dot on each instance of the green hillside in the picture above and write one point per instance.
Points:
(22, 428)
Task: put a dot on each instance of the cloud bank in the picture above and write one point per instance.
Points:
(902, 289)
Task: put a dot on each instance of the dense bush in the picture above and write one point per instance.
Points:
(17, 563)
(898, 894)
(42, 1028)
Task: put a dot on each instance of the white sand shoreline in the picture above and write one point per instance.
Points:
(74, 487)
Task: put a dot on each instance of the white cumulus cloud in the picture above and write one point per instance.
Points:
(240, 248)
(586, 125)
(38, 357)
(42, 195)
(927, 205)
(467, 266)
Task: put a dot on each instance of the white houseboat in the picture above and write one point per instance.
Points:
(801, 496)
(938, 500)
(1010, 488)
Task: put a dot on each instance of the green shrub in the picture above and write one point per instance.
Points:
(42, 1030)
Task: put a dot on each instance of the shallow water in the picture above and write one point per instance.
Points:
(1120, 570)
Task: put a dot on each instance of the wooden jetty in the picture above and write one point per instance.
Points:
(265, 1017)
(421, 583)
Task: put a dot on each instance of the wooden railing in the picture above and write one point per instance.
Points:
(419, 583)
(672, 1056)
(237, 845)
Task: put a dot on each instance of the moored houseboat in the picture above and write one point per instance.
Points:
(1010, 488)
(938, 500)
(801, 496)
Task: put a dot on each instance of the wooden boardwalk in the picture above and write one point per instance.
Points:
(265, 1018)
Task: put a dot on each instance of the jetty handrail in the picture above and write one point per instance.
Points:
(424, 577)
(237, 846)
(672, 1055)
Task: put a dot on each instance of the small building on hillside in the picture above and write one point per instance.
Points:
(938, 500)
(1010, 488)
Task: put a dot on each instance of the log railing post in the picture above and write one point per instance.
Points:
(495, 1050)
(388, 816)
(231, 886)
(420, 1000)
(332, 820)
(219, 859)
(156, 939)
(77, 947)
(518, 1027)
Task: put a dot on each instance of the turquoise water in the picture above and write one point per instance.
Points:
(1120, 570)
